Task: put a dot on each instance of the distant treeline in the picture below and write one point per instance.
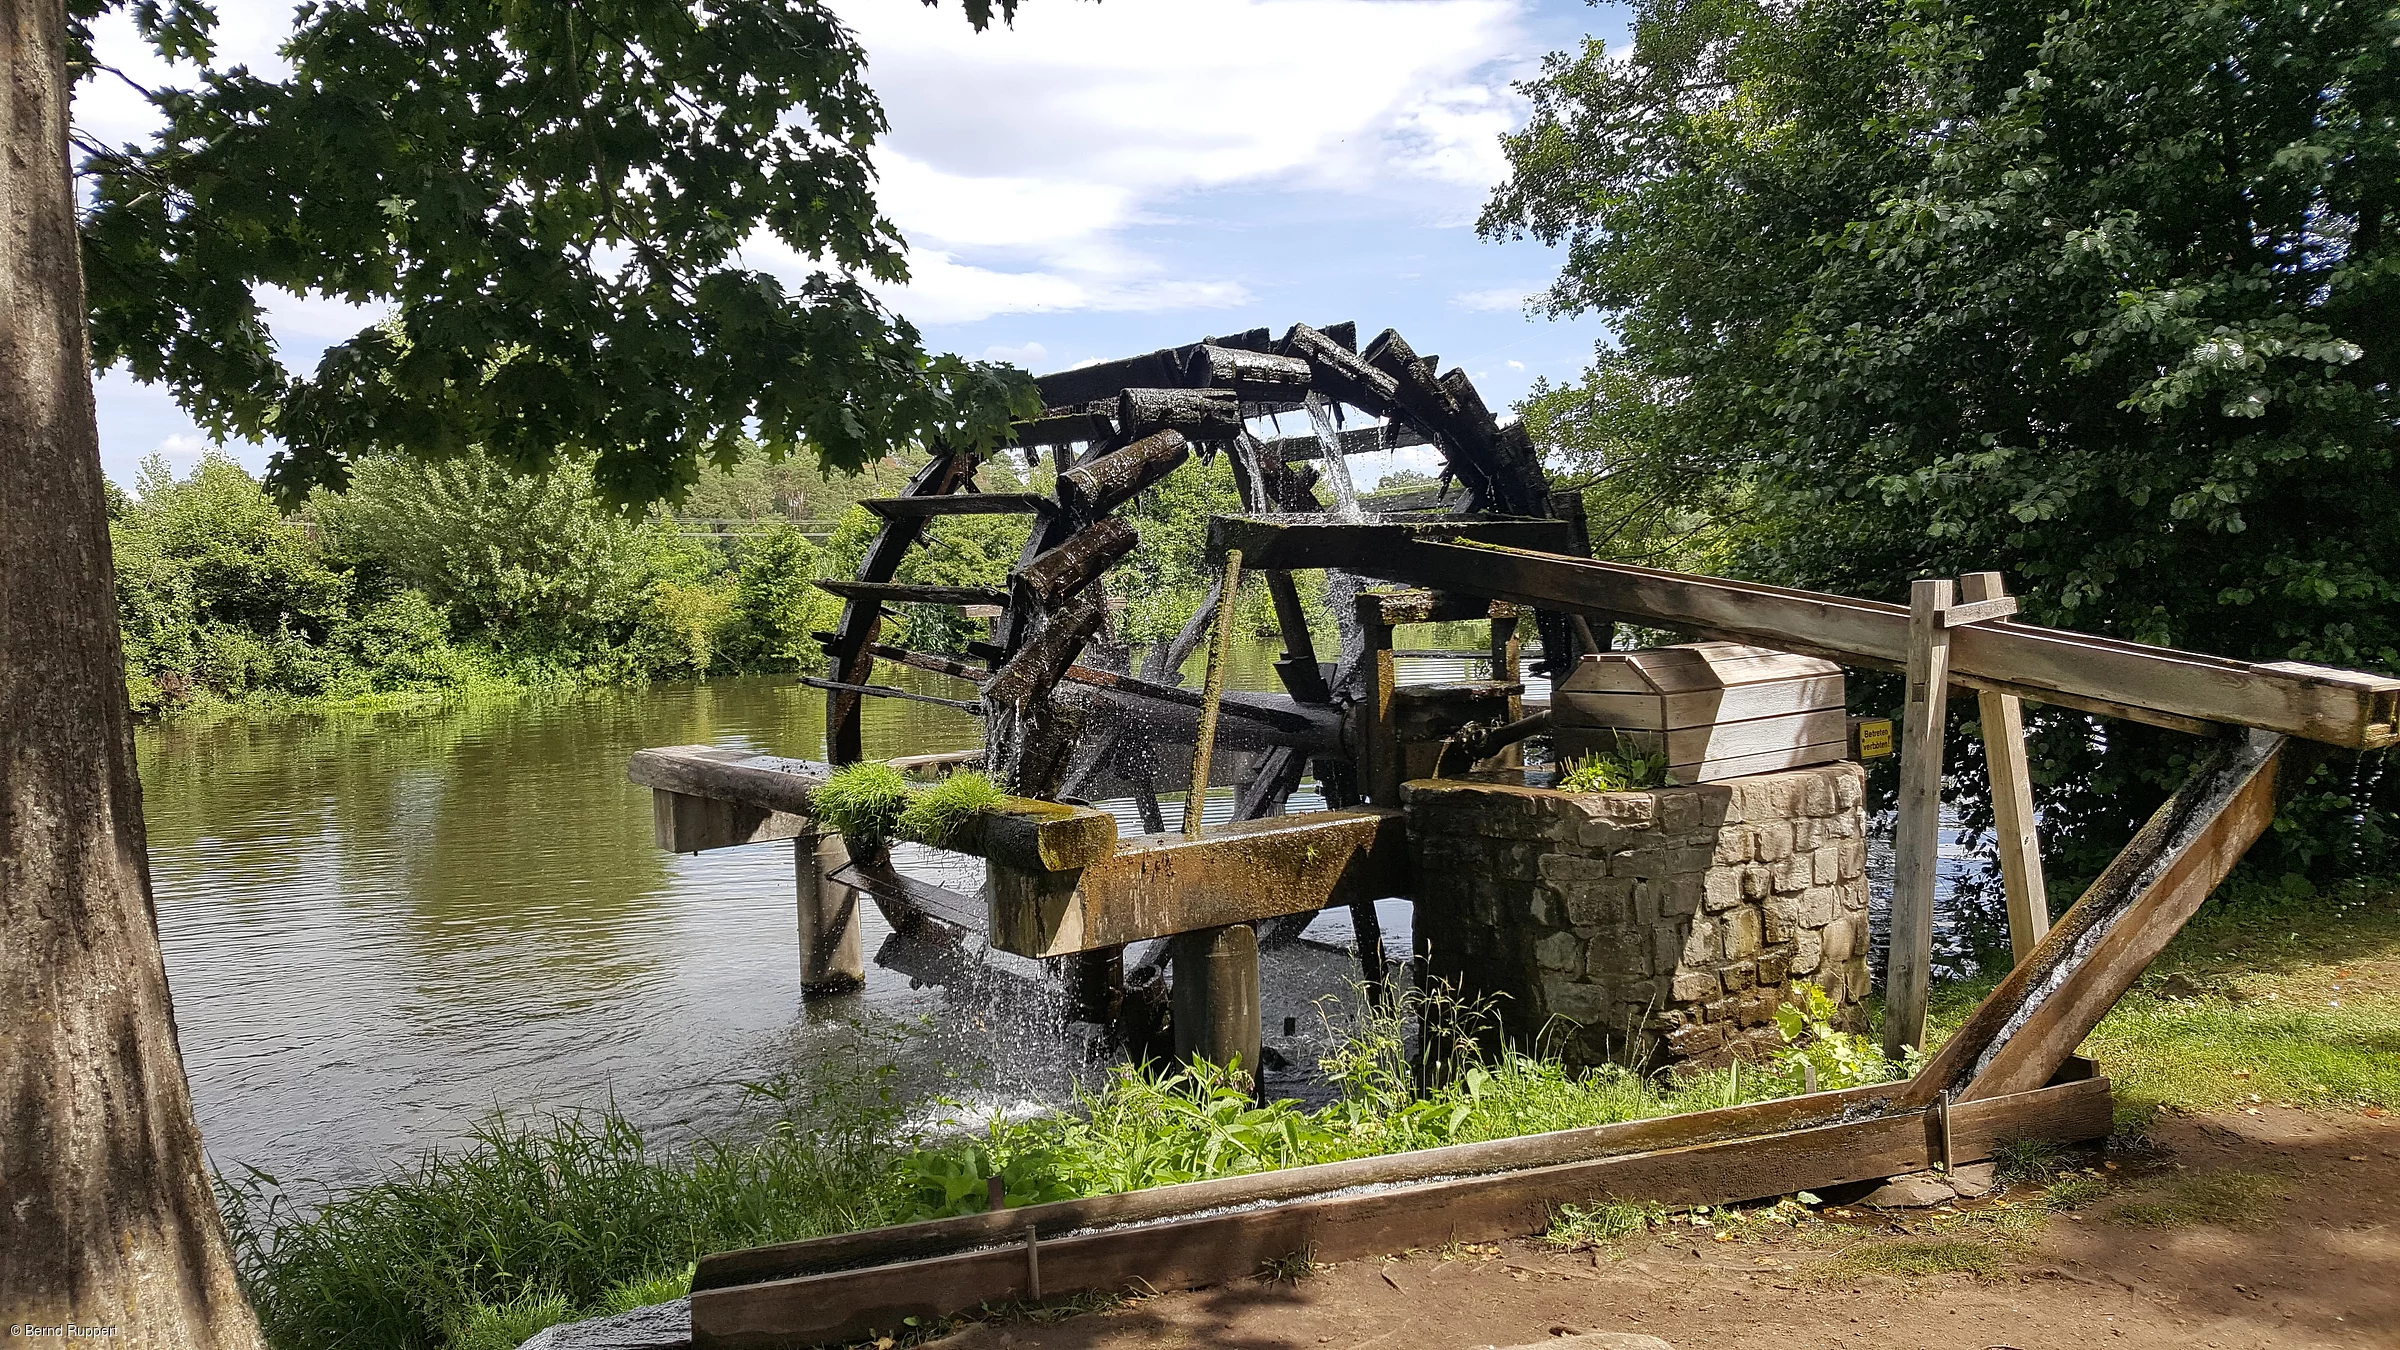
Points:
(427, 580)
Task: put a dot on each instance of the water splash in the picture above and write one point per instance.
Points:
(1337, 466)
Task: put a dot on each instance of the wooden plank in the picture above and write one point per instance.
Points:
(1157, 885)
(921, 898)
(933, 1237)
(1645, 712)
(903, 592)
(2152, 684)
(831, 960)
(892, 691)
(1271, 544)
(944, 473)
(1212, 694)
(1917, 835)
(2054, 997)
(962, 504)
(1212, 1249)
(1718, 740)
(685, 823)
(1039, 835)
(2013, 824)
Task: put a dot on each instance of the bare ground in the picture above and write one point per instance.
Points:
(2308, 1257)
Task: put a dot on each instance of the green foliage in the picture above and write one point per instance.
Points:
(935, 813)
(863, 801)
(2099, 296)
(533, 1223)
(1618, 770)
(1582, 1227)
(427, 580)
(551, 200)
(1919, 1257)
(1839, 1058)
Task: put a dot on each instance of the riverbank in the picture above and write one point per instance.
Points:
(2261, 1010)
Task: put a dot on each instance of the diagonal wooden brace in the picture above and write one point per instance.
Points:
(2025, 1031)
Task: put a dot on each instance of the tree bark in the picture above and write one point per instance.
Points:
(109, 1219)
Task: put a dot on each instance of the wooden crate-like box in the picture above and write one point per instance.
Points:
(1717, 709)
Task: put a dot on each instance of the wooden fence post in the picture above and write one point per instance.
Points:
(2003, 717)
(1917, 839)
(831, 958)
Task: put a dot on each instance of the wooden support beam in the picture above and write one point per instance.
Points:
(2013, 824)
(852, 1305)
(1097, 488)
(892, 691)
(1027, 834)
(903, 898)
(1917, 836)
(962, 504)
(831, 958)
(1294, 545)
(2050, 1002)
(1212, 693)
(1377, 713)
(903, 592)
(945, 472)
(1157, 885)
(1216, 996)
(683, 822)
(2187, 691)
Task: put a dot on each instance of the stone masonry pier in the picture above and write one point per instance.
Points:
(1650, 927)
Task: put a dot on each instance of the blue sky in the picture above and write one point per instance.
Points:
(1104, 179)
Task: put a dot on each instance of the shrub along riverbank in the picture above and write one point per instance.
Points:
(428, 581)
(534, 1222)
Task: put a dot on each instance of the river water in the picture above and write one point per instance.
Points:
(381, 927)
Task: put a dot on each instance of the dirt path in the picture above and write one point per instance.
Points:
(2274, 1229)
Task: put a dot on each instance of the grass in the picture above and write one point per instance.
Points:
(1581, 1228)
(934, 814)
(2227, 1199)
(1918, 1257)
(535, 1222)
(2253, 1002)
(863, 801)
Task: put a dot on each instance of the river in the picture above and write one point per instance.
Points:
(382, 927)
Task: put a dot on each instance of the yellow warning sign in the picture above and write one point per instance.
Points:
(1870, 737)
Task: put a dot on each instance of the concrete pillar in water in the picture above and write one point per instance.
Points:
(1216, 995)
(832, 960)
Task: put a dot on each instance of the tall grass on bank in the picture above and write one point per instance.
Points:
(560, 1217)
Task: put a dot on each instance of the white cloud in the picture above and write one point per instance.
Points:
(1516, 365)
(184, 446)
(1497, 298)
(1031, 354)
(1023, 163)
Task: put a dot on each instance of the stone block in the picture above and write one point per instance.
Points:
(1717, 1010)
(1740, 977)
(1742, 932)
(1560, 951)
(1854, 895)
(1838, 939)
(1546, 909)
(1804, 835)
(1854, 859)
(1608, 836)
(1818, 795)
(1592, 904)
(1757, 882)
(1721, 889)
(1808, 952)
(1758, 1009)
(1774, 967)
(1676, 896)
(1818, 904)
(1792, 875)
(1850, 788)
(1626, 808)
(1826, 864)
(1839, 825)
(1562, 868)
(1697, 1039)
(1695, 986)
(1733, 845)
(1679, 810)
(1579, 1001)
(1771, 840)
(1661, 862)
(1615, 956)
(1779, 920)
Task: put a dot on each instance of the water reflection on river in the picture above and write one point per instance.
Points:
(381, 926)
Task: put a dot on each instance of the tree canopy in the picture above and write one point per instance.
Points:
(2103, 296)
(560, 204)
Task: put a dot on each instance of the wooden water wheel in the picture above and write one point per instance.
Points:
(1059, 727)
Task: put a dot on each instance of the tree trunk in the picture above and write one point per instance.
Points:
(108, 1220)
